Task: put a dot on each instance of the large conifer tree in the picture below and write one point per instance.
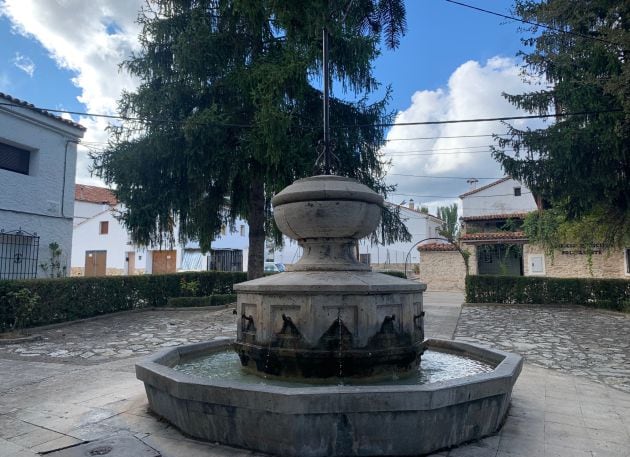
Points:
(579, 166)
(226, 114)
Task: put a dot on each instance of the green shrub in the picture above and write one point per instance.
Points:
(67, 299)
(398, 274)
(611, 294)
(210, 300)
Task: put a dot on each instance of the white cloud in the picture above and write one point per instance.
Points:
(24, 63)
(473, 91)
(91, 39)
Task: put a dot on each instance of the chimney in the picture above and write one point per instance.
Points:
(411, 204)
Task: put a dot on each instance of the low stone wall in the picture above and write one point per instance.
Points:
(568, 264)
(442, 270)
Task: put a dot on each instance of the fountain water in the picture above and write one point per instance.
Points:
(330, 318)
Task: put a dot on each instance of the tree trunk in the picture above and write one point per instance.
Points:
(256, 221)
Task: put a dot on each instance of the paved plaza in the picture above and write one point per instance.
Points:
(77, 384)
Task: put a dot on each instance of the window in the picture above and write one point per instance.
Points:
(14, 159)
(627, 258)
(517, 191)
(103, 228)
(365, 258)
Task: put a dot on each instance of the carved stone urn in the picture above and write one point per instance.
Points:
(329, 315)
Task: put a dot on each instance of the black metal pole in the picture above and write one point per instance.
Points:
(326, 76)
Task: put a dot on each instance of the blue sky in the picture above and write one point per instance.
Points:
(453, 63)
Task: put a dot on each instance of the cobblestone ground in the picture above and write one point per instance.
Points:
(576, 340)
(124, 335)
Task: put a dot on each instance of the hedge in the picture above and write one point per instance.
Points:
(67, 299)
(611, 294)
(210, 300)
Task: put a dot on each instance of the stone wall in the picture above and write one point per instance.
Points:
(442, 270)
(566, 264)
(80, 271)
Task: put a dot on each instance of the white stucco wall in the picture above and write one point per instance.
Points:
(498, 199)
(87, 237)
(43, 200)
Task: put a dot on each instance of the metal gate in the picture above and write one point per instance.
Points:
(19, 252)
(225, 260)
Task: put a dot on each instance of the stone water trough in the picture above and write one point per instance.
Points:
(333, 420)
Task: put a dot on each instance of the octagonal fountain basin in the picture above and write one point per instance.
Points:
(401, 417)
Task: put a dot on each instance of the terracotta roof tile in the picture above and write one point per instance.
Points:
(479, 189)
(30, 106)
(93, 194)
(437, 247)
(492, 236)
(494, 217)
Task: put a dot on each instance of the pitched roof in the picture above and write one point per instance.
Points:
(93, 194)
(437, 247)
(30, 106)
(416, 210)
(474, 191)
(494, 217)
(494, 236)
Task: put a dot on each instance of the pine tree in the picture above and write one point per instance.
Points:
(580, 164)
(229, 115)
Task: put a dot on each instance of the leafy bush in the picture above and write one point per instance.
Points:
(611, 294)
(398, 274)
(211, 300)
(66, 299)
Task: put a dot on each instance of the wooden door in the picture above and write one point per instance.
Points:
(95, 263)
(164, 262)
(130, 257)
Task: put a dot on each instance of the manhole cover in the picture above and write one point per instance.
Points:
(101, 450)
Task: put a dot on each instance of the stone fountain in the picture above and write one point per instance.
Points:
(328, 320)
(329, 315)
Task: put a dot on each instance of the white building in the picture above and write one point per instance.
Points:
(37, 169)
(420, 225)
(504, 196)
(101, 244)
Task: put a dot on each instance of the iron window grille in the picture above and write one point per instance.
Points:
(19, 252)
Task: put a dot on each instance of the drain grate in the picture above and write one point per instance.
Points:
(101, 450)
(121, 445)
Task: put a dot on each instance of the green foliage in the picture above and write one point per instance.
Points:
(450, 228)
(54, 267)
(230, 82)
(211, 300)
(68, 299)
(20, 303)
(578, 165)
(611, 294)
(189, 288)
(396, 273)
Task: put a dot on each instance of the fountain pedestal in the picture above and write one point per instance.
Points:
(330, 315)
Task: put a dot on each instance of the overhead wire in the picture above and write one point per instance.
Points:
(382, 124)
(535, 24)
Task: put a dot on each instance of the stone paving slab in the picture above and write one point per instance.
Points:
(123, 335)
(553, 414)
(573, 339)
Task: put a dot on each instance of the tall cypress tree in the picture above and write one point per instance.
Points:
(578, 166)
(226, 114)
